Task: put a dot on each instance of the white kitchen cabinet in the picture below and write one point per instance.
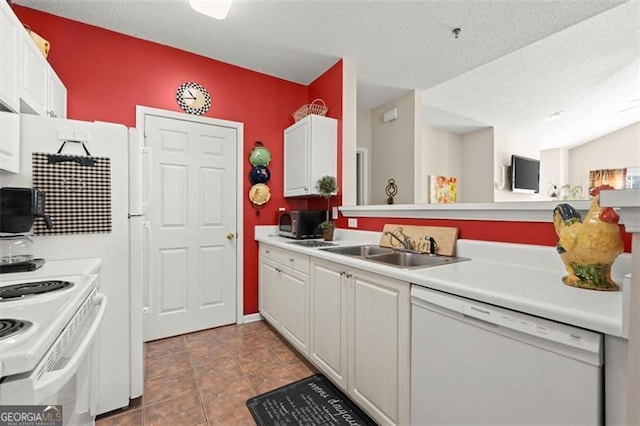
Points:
(10, 28)
(328, 320)
(379, 342)
(310, 152)
(360, 337)
(284, 294)
(41, 91)
(34, 79)
(294, 308)
(10, 141)
(57, 96)
(268, 294)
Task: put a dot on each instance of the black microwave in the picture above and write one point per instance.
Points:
(301, 224)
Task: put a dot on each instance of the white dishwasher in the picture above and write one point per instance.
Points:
(474, 363)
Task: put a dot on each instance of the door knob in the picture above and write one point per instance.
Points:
(231, 235)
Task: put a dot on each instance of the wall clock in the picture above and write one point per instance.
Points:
(193, 98)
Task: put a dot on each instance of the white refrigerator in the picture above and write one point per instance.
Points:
(121, 373)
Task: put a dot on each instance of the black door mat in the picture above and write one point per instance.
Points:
(313, 401)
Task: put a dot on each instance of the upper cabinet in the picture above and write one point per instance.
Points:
(57, 96)
(28, 84)
(41, 92)
(9, 141)
(10, 28)
(310, 152)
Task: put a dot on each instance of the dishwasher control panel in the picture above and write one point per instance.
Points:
(561, 333)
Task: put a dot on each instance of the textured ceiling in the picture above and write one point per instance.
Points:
(590, 71)
(396, 45)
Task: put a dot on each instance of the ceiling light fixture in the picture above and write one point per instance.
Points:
(217, 9)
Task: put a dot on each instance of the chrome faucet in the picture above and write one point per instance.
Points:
(406, 243)
(432, 245)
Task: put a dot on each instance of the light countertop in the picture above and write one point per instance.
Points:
(521, 277)
(56, 268)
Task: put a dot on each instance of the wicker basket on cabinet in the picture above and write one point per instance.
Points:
(317, 107)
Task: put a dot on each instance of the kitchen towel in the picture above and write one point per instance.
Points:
(78, 193)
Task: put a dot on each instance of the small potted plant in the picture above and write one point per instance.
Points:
(327, 186)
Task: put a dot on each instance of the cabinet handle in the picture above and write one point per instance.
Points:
(342, 273)
(291, 260)
(268, 251)
(349, 275)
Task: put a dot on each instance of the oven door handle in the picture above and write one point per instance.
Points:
(52, 381)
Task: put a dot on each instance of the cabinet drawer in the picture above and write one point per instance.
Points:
(297, 262)
(288, 259)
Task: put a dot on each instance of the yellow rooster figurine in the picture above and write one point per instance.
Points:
(588, 248)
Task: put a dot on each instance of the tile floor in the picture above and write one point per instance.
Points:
(204, 378)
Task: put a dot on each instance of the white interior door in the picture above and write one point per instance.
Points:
(192, 226)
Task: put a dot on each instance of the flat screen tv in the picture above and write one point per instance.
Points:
(525, 174)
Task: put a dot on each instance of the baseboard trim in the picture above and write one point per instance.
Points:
(252, 318)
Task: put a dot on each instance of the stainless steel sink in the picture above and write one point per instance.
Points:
(394, 257)
(361, 251)
(414, 260)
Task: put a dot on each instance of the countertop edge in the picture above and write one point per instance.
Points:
(583, 318)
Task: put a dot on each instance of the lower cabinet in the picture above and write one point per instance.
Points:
(284, 294)
(360, 337)
(328, 322)
(354, 326)
(269, 292)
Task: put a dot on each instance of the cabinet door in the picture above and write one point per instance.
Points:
(296, 159)
(269, 292)
(57, 96)
(328, 320)
(34, 77)
(379, 347)
(10, 54)
(10, 141)
(294, 312)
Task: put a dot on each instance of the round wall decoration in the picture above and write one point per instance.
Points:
(193, 98)
(259, 156)
(259, 194)
(259, 174)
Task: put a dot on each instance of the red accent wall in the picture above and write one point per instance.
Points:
(537, 233)
(107, 74)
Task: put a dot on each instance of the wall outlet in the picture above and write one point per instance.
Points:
(353, 222)
(334, 212)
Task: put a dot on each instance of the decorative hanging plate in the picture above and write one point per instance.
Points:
(259, 194)
(259, 156)
(259, 174)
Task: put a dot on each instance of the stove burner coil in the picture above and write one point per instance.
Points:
(9, 327)
(31, 288)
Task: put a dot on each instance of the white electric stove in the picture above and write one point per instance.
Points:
(45, 309)
(48, 329)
